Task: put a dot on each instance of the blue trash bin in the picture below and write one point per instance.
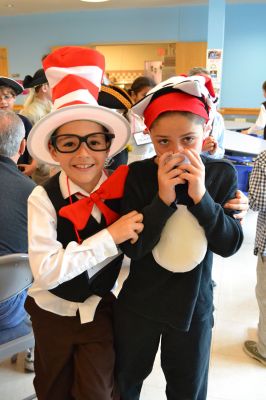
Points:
(243, 172)
(243, 166)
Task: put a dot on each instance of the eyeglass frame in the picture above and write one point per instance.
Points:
(82, 139)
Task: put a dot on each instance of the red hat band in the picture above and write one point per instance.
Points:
(175, 101)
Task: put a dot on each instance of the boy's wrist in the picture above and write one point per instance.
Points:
(197, 199)
(166, 202)
(166, 199)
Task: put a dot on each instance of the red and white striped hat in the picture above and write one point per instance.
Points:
(75, 75)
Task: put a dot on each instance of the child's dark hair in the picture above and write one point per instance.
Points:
(197, 119)
(142, 82)
(264, 86)
(9, 89)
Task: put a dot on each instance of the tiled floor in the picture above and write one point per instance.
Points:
(233, 375)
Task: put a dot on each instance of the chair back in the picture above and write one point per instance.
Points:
(15, 275)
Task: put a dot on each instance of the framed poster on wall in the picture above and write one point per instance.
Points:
(153, 69)
(214, 65)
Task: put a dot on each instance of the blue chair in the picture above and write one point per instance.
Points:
(15, 276)
(243, 166)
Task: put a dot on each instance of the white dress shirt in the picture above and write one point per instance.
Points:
(143, 150)
(260, 122)
(52, 265)
(217, 132)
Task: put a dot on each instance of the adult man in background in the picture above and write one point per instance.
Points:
(15, 189)
(9, 90)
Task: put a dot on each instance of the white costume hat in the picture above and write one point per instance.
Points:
(74, 75)
(196, 86)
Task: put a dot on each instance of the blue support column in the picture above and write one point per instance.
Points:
(216, 22)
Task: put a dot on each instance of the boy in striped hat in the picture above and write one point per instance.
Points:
(74, 232)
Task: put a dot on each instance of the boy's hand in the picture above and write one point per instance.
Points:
(127, 227)
(168, 177)
(210, 145)
(194, 174)
(239, 203)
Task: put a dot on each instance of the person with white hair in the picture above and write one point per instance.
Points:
(9, 90)
(15, 190)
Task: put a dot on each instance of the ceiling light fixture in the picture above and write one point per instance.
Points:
(94, 1)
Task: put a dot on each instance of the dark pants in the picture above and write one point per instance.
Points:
(73, 360)
(184, 356)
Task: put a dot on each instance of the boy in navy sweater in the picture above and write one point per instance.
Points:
(167, 296)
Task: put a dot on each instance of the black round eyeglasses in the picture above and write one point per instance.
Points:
(69, 143)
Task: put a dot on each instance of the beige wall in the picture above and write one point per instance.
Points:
(131, 56)
(3, 62)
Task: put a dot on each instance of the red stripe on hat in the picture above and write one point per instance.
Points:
(72, 103)
(174, 102)
(71, 83)
(71, 56)
(208, 84)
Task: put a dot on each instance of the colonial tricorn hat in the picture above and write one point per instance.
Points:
(39, 78)
(11, 83)
(74, 75)
(114, 97)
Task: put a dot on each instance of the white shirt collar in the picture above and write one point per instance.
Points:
(75, 188)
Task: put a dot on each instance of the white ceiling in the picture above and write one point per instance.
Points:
(52, 6)
(19, 7)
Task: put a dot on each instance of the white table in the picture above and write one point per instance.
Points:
(236, 125)
(238, 143)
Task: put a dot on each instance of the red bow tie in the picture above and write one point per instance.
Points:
(113, 188)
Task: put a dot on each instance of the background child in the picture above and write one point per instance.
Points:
(168, 294)
(257, 190)
(38, 102)
(140, 87)
(261, 120)
(140, 141)
(74, 230)
(118, 99)
(37, 105)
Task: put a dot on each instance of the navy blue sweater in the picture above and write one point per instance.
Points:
(152, 291)
(14, 193)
